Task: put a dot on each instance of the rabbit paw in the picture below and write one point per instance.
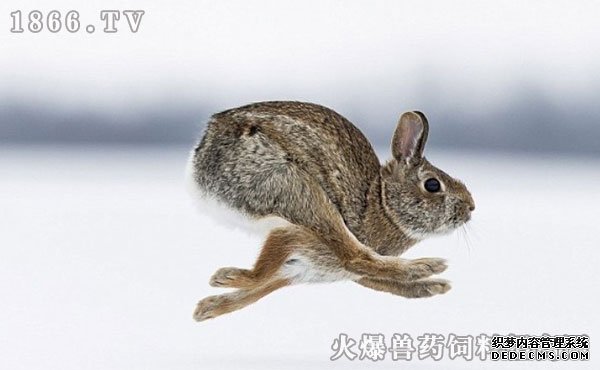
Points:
(425, 267)
(207, 308)
(228, 277)
(427, 288)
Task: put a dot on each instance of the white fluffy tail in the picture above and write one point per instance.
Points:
(221, 213)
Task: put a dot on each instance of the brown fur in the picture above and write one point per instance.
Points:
(348, 214)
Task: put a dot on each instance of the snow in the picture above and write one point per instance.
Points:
(103, 258)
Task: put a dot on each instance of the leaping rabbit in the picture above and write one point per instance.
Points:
(340, 214)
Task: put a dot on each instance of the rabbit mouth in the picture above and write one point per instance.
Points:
(462, 215)
(453, 224)
(445, 229)
(461, 220)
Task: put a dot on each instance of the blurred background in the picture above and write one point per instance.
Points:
(515, 76)
(102, 257)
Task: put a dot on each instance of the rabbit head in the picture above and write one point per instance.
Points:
(420, 198)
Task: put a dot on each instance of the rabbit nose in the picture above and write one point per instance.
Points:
(470, 202)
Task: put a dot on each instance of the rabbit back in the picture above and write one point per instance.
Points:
(261, 161)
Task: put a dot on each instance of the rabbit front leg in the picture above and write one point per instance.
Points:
(322, 258)
(279, 245)
(217, 305)
(266, 276)
(232, 277)
(292, 252)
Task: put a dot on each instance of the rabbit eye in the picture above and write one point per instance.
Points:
(432, 185)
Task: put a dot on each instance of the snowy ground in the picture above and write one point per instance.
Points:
(103, 257)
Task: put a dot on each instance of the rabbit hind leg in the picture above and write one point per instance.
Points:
(411, 289)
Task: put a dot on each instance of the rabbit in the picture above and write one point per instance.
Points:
(336, 212)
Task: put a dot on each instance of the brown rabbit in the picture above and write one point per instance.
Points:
(342, 214)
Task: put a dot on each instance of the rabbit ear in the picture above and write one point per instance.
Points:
(410, 137)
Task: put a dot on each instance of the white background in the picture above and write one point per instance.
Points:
(103, 258)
